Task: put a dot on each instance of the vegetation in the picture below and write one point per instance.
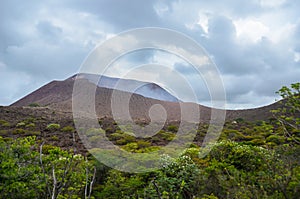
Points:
(4, 123)
(51, 173)
(289, 115)
(53, 127)
(34, 105)
(259, 159)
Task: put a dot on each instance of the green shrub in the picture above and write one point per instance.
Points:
(211, 196)
(46, 148)
(116, 136)
(54, 138)
(34, 104)
(245, 157)
(276, 139)
(109, 130)
(296, 132)
(239, 120)
(95, 139)
(68, 129)
(176, 178)
(131, 147)
(94, 132)
(4, 123)
(21, 124)
(33, 133)
(30, 125)
(121, 142)
(168, 136)
(172, 128)
(29, 120)
(232, 134)
(53, 127)
(126, 139)
(7, 139)
(257, 142)
(149, 149)
(3, 132)
(122, 138)
(18, 131)
(143, 144)
(271, 144)
(248, 137)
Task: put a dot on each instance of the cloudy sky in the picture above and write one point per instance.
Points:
(255, 44)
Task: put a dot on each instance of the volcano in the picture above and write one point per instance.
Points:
(58, 95)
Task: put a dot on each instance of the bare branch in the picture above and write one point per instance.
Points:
(157, 190)
(92, 182)
(54, 184)
(43, 168)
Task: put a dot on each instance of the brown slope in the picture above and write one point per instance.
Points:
(138, 106)
(51, 93)
(58, 95)
(261, 113)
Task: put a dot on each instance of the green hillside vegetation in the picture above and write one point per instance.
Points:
(260, 159)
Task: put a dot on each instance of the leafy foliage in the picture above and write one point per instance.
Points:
(259, 159)
(53, 127)
(289, 115)
(26, 173)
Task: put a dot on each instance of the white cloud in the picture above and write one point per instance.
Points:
(203, 21)
(251, 29)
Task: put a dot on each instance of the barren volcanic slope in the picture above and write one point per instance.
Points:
(58, 95)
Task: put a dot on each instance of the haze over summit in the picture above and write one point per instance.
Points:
(254, 44)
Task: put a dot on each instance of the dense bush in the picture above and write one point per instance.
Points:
(26, 173)
(288, 115)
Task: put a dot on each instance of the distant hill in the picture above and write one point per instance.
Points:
(58, 95)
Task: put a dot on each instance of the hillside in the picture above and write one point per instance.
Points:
(58, 95)
(253, 154)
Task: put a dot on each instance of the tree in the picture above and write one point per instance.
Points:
(176, 179)
(236, 170)
(66, 175)
(51, 173)
(288, 115)
(19, 169)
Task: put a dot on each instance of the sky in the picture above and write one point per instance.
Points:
(255, 44)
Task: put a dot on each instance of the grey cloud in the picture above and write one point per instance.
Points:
(12, 17)
(48, 31)
(122, 14)
(296, 35)
(221, 30)
(185, 68)
(140, 56)
(42, 59)
(225, 7)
